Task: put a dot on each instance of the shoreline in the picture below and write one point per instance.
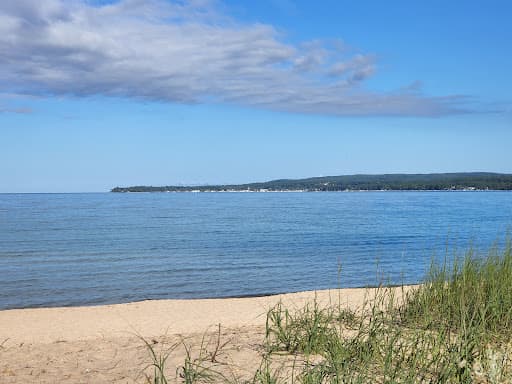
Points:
(160, 317)
(320, 191)
(246, 296)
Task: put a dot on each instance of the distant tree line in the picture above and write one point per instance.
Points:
(397, 182)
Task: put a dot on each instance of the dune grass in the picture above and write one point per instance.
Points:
(475, 294)
(454, 328)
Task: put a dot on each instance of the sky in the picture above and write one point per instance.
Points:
(97, 94)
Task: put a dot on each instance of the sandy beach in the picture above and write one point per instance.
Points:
(101, 344)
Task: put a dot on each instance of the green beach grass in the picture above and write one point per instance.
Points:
(456, 327)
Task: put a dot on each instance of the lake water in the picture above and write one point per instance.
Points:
(83, 249)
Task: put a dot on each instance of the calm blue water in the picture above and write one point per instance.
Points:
(81, 249)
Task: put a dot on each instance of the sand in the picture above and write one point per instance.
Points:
(101, 344)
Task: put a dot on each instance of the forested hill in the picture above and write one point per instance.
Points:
(430, 182)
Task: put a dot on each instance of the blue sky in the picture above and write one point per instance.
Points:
(97, 94)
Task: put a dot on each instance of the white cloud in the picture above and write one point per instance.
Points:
(187, 52)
